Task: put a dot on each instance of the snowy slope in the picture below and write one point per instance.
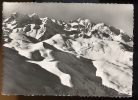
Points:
(70, 44)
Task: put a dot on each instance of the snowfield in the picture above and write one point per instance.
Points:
(92, 50)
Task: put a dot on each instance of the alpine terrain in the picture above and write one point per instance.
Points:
(43, 56)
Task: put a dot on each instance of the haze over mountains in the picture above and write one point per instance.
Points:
(79, 57)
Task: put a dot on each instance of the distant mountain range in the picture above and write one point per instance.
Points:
(69, 50)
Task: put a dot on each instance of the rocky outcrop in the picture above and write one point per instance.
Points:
(77, 55)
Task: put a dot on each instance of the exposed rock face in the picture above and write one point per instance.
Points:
(69, 52)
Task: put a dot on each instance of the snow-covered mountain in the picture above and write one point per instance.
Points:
(100, 52)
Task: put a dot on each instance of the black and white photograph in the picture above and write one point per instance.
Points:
(67, 49)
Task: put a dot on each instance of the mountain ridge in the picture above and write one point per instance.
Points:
(58, 43)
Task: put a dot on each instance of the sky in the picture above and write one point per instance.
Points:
(117, 15)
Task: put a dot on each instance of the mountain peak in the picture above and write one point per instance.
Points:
(79, 25)
(85, 48)
(34, 14)
(87, 20)
(79, 19)
(16, 13)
